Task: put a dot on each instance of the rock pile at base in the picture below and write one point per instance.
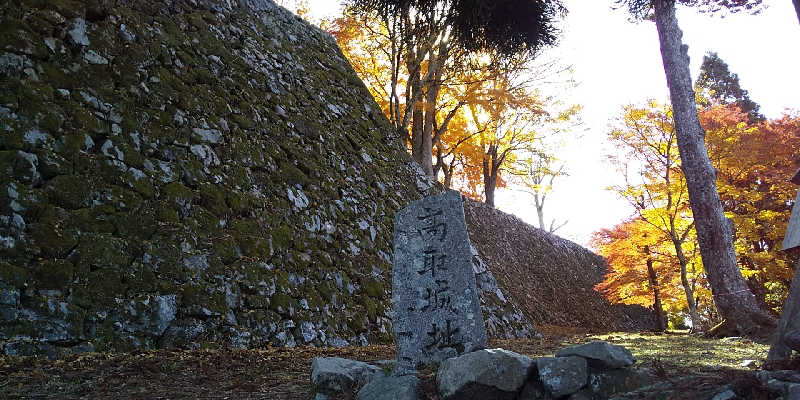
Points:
(596, 370)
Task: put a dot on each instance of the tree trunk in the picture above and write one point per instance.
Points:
(789, 321)
(539, 210)
(797, 8)
(697, 325)
(658, 310)
(416, 110)
(490, 174)
(733, 299)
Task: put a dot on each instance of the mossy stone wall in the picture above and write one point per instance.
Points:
(183, 173)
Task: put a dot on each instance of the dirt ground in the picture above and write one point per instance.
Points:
(284, 373)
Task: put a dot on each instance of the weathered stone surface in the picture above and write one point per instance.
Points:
(562, 376)
(533, 390)
(404, 387)
(196, 215)
(435, 301)
(333, 375)
(603, 382)
(503, 317)
(783, 383)
(727, 394)
(483, 374)
(531, 265)
(601, 354)
(790, 318)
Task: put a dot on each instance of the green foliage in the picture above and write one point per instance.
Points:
(723, 87)
(505, 26)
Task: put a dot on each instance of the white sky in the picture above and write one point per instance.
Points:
(617, 62)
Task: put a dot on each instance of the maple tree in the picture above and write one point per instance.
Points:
(648, 140)
(537, 173)
(428, 45)
(641, 268)
(735, 303)
(753, 163)
(472, 118)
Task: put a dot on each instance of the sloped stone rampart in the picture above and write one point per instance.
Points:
(550, 279)
(192, 173)
(183, 173)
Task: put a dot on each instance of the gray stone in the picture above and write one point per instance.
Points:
(533, 390)
(8, 296)
(163, 313)
(333, 375)
(197, 262)
(604, 383)
(78, 32)
(749, 364)
(26, 166)
(10, 62)
(35, 137)
(206, 154)
(307, 331)
(127, 36)
(208, 135)
(490, 374)
(435, 301)
(562, 376)
(727, 394)
(601, 354)
(391, 388)
(792, 339)
(93, 57)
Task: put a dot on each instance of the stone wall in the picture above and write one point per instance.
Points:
(550, 279)
(190, 173)
(187, 172)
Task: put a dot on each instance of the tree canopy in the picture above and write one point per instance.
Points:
(723, 86)
(504, 26)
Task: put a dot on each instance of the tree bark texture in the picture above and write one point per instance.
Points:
(797, 8)
(697, 325)
(734, 301)
(789, 321)
(658, 309)
(540, 211)
(491, 168)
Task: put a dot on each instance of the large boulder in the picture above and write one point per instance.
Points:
(562, 376)
(404, 387)
(333, 375)
(483, 374)
(600, 353)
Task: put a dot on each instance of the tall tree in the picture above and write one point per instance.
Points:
(647, 137)
(640, 270)
(752, 161)
(537, 173)
(424, 38)
(735, 303)
(797, 8)
(723, 86)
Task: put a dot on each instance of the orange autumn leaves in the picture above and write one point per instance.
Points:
(753, 161)
(481, 109)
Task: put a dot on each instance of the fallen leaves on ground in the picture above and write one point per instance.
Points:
(285, 373)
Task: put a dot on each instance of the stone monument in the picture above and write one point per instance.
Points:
(788, 330)
(435, 301)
